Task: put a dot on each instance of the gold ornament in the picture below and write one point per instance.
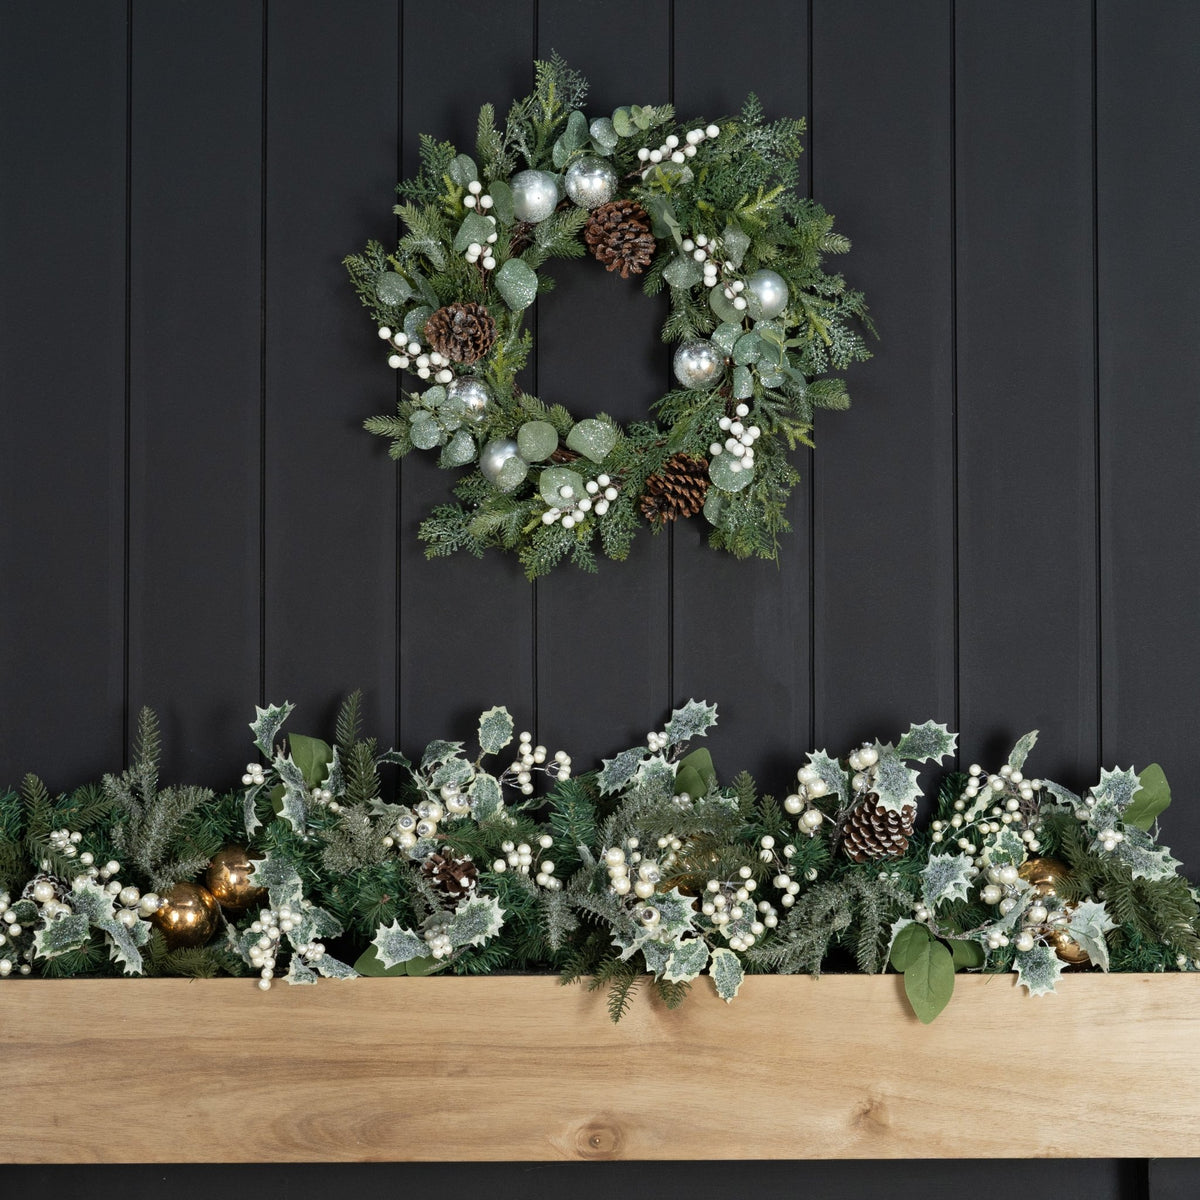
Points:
(1044, 875)
(1068, 949)
(187, 915)
(230, 879)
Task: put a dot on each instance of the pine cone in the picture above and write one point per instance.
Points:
(618, 234)
(463, 333)
(677, 491)
(874, 832)
(452, 877)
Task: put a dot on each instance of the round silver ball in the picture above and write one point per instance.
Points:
(473, 394)
(494, 455)
(535, 195)
(771, 292)
(591, 182)
(698, 363)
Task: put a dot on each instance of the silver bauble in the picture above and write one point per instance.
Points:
(771, 292)
(535, 195)
(493, 457)
(698, 363)
(473, 394)
(591, 182)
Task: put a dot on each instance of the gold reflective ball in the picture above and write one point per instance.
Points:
(1068, 949)
(230, 879)
(187, 915)
(1044, 875)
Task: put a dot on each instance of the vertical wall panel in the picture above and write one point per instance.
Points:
(330, 492)
(603, 642)
(466, 626)
(882, 142)
(1149, 177)
(62, 390)
(196, 267)
(741, 630)
(1026, 384)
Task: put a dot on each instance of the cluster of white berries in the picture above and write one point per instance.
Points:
(618, 861)
(254, 775)
(669, 847)
(810, 787)
(520, 859)
(672, 151)
(657, 742)
(740, 442)
(532, 758)
(270, 925)
(65, 842)
(476, 196)
(1012, 802)
(457, 802)
(414, 825)
(599, 493)
(437, 937)
(1109, 839)
(324, 797)
(728, 902)
(783, 878)
(10, 929)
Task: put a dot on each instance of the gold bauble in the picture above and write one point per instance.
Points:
(230, 879)
(187, 915)
(1044, 875)
(1068, 949)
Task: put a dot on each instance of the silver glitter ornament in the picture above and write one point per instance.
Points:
(591, 182)
(535, 195)
(493, 457)
(698, 363)
(771, 292)
(473, 394)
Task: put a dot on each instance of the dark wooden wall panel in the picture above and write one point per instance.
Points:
(1149, 261)
(330, 499)
(1026, 383)
(882, 155)
(62, 390)
(466, 627)
(736, 622)
(195, 377)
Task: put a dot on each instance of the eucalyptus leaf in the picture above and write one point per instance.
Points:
(474, 228)
(604, 133)
(905, 945)
(554, 479)
(593, 439)
(426, 431)
(683, 271)
(459, 451)
(414, 320)
(517, 284)
(725, 336)
(502, 202)
(734, 244)
(311, 755)
(463, 170)
(663, 221)
(728, 474)
(537, 440)
(723, 306)
(623, 123)
(743, 383)
(748, 349)
(570, 140)
(392, 288)
(512, 474)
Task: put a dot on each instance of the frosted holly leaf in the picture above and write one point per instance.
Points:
(267, 723)
(62, 935)
(334, 968)
(396, 945)
(1111, 797)
(687, 960)
(475, 921)
(456, 772)
(693, 720)
(946, 877)
(91, 901)
(895, 784)
(727, 974)
(657, 955)
(831, 775)
(495, 730)
(1005, 847)
(615, 773)
(395, 757)
(250, 811)
(926, 743)
(299, 971)
(1020, 752)
(335, 780)
(1063, 795)
(1144, 859)
(292, 806)
(675, 914)
(314, 924)
(1089, 923)
(438, 752)
(1023, 894)
(486, 797)
(1038, 969)
(655, 778)
(281, 879)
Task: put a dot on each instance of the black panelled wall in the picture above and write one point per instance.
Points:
(1003, 533)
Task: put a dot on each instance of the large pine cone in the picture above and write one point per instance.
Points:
(618, 234)
(464, 333)
(873, 832)
(451, 876)
(677, 491)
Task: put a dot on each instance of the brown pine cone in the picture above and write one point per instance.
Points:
(451, 876)
(873, 832)
(463, 333)
(678, 490)
(618, 235)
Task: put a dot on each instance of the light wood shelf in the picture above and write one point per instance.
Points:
(517, 1068)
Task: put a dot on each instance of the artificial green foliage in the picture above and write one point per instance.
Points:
(727, 191)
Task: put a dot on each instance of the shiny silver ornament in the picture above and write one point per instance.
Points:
(591, 182)
(493, 457)
(535, 195)
(698, 363)
(473, 394)
(771, 292)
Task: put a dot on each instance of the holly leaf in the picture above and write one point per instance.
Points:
(438, 752)
(895, 784)
(1020, 752)
(311, 755)
(62, 935)
(1038, 969)
(929, 979)
(334, 968)
(486, 796)
(946, 877)
(1151, 800)
(831, 775)
(615, 773)
(727, 974)
(267, 724)
(1144, 859)
(1088, 925)
(495, 730)
(687, 960)
(370, 966)
(475, 922)
(1112, 796)
(693, 720)
(930, 742)
(292, 804)
(393, 944)
(281, 879)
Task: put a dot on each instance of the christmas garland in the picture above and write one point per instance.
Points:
(647, 867)
(710, 212)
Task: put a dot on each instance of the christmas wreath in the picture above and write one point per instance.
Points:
(708, 211)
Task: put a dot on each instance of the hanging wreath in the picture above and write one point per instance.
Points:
(711, 212)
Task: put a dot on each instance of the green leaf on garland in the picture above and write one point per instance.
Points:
(266, 725)
(907, 938)
(967, 955)
(683, 271)
(415, 319)
(393, 944)
(748, 349)
(695, 774)
(593, 439)
(727, 974)
(370, 966)
(1111, 797)
(693, 720)
(604, 134)
(570, 140)
(517, 284)
(475, 228)
(929, 979)
(512, 474)
(734, 244)
(687, 960)
(502, 202)
(623, 123)
(743, 383)
(552, 482)
(426, 431)
(311, 755)
(463, 170)
(1150, 800)
(299, 972)
(1144, 859)
(657, 955)
(459, 451)
(486, 796)
(455, 773)
(896, 785)
(537, 440)
(946, 877)
(616, 772)
(714, 506)
(62, 935)
(728, 474)
(495, 730)
(1088, 924)
(438, 752)
(392, 289)
(1038, 969)
(926, 743)
(1020, 752)
(475, 921)
(663, 221)
(292, 805)
(725, 335)
(725, 309)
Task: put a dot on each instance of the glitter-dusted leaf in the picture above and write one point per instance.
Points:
(1020, 752)
(267, 724)
(615, 773)
(946, 877)
(1038, 969)
(394, 944)
(727, 973)
(475, 921)
(1089, 923)
(693, 720)
(895, 784)
(930, 742)
(687, 960)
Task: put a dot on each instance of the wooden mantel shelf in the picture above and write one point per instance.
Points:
(517, 1068)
